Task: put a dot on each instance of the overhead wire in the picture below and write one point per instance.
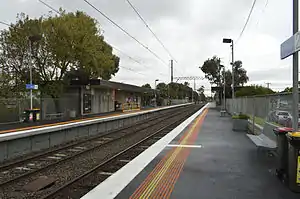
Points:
(2, 22)
(50, 7)
(115, 48)
(263, 11)
(148, 27)
(132, 70)
(247, 21)
(125, 32)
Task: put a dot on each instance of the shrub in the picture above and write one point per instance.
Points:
(241, 116)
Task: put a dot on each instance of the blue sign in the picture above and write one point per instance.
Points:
(32, 87)
(290, 46)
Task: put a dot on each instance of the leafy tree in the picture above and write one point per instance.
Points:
(163, 90)
(212, 69)
(288, 90)
(57, 48)
(214, 73)
(201, 93)
(146, 86)
(253, 90)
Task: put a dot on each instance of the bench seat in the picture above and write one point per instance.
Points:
(262, 141)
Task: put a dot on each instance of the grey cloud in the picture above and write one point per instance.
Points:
(191, 29)
(272, 75)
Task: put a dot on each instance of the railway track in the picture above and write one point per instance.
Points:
(78, 158)
(22, 168)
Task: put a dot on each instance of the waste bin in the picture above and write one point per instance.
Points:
(282, 151)
(32, 115)
(294, 161)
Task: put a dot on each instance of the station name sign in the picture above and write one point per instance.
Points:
(290, 46)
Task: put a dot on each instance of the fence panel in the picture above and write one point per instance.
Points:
(275, 109)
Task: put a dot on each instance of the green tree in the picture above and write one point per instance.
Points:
(214, 73)
(288, 90)
(146, 86)
(57, 48)
(201, 93)
(212, 70)
(162, 89)
(253, 90)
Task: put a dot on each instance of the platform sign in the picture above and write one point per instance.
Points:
(32, 87)
(290, 46)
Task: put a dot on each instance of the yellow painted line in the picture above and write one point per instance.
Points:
(68, 122)
(298, 171)
(170, 160)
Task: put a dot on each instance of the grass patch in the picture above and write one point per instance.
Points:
(261, 121)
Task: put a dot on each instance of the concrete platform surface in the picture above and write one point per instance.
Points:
(210, 161)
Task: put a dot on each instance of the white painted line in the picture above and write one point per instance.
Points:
(184, 146)
(23, 168)
(105, 173)
(113, 185)
(74, 150)
(80, 147)
(60, 155)
(54, 157)
(126, 161)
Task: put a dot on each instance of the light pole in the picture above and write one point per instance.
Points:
(224, 88)
(155, 91)
(230, 41)
(32, 39)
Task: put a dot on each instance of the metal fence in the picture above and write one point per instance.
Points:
(12, 109)
(276, 108)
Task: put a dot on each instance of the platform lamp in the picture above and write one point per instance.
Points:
(155, 91)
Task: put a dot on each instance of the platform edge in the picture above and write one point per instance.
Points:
(113, 185)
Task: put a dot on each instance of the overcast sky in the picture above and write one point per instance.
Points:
(192, 30)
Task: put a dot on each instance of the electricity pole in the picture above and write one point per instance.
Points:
(232, 58)
(172, 77)
(295, 68)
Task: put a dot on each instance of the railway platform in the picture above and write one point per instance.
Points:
(9, 128)
(201, 158)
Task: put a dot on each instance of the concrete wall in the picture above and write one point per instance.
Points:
(21, 143)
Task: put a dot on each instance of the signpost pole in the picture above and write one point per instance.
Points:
(295, 108)
(31, 104)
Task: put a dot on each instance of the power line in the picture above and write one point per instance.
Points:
(50, 7)
(132, 70)
(133, 59)
(115, 48)
(124, 31)
(263, 11)
(247, 21)
(4, 23)
(144, 21)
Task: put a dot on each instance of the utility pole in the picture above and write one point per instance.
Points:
(30, 73)
(295, 68)
(268, 85)
(172, 77)
(232, 58)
